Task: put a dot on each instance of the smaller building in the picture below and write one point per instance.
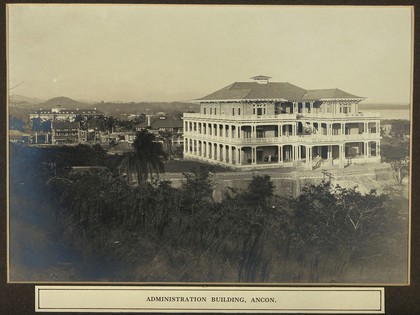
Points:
(162, 125)
(67, 132)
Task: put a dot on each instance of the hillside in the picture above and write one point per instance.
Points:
(23, 100)
(144, 107)
(34, 103)
(64, 102)
(109, 108)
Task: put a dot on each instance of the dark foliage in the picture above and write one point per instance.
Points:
(156, 232)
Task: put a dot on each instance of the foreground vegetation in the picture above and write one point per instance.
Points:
(155, 232)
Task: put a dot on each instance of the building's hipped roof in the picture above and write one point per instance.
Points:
(312, 95)
(254, 91)
(274, 90)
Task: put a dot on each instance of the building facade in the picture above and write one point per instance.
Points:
(161, 125)
(262, 124)
(66, 132)
(63, 114)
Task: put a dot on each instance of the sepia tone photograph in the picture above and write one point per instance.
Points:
(209, 144)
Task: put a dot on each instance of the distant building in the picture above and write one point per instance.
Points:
(116, 137)
(161, 123)
(62, 114)
(66, 132)
(262, 124)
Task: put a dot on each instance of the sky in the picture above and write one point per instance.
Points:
(134, 53)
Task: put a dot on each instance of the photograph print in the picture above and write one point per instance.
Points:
(219, 144)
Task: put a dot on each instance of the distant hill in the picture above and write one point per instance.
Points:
(109, 108)
(64, 102)
(144, 107)
(17, 100)
(34, 103)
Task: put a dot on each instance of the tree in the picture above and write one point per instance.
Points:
(398, 158)
(400, 128)
(167, 137)
(146, 160)
(331, 220)
(197, 189)
(260, 189)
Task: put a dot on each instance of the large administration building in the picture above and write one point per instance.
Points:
(262, 124)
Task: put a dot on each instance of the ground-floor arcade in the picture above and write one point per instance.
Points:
(309, 156)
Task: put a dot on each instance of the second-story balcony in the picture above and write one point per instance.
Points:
(311, 138)
(280, 117)
(239, 117)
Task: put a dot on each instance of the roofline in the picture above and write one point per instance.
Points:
(199, 101)
(357, 98)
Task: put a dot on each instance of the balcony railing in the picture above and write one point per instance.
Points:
(240, 117)
(340, 115)
(287, 139)
(282, 116)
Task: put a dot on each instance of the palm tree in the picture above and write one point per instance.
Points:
(146, 160)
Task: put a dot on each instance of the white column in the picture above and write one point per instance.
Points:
(280, 154)
(230, 153)
(341, 155)
(254, 155)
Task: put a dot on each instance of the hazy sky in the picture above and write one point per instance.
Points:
(169, 53)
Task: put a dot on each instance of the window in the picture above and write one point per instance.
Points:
(215, 111)
(211, 111)
(239, 110)
(233, 112)
(204, 110)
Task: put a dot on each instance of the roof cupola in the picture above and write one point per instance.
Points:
(261, 79)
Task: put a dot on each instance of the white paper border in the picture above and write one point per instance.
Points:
(201, 299)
